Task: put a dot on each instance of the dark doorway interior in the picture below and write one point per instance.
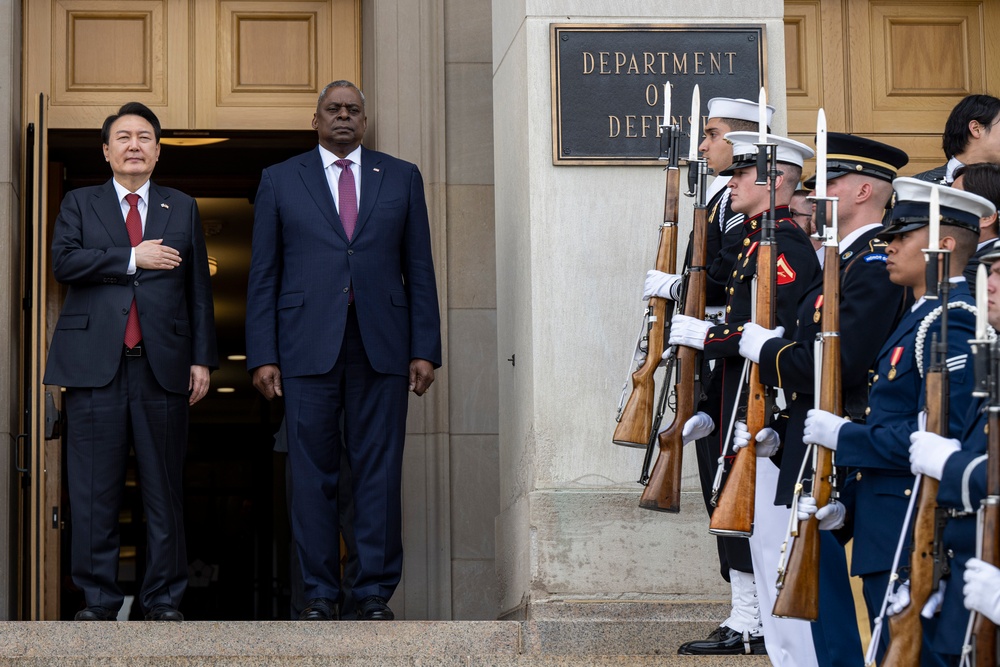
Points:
(236, 522)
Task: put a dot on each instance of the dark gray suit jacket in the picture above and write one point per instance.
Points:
(90, 254)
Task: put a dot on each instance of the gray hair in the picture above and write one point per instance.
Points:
(341, 83)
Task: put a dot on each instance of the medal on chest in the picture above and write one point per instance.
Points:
(818, 314)
(897, 354)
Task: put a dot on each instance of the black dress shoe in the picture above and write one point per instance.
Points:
(95, 614)
(319, 609)
(374, 608)
(164, 612)
(724, 641)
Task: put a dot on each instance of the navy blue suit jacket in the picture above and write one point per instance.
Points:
(303, 266)
(90, 254)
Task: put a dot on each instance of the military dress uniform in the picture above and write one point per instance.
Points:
(962, 489)
(870, 306)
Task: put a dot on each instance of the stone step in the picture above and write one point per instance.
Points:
(544, 643)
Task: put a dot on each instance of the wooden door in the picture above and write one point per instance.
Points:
(198, 64)
(891, 70)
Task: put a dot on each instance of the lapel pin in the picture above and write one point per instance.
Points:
(375, 168)
(164, 206)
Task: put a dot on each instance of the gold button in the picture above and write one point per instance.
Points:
(729, 309)
(711, 336)
(746, 242)
(734, 274)
(732, 290)
(868, 410)
(725, 331)
(858, 477)
(739, 256)
(740, 328)
(795, 395)
(875, 378)
(907, 492)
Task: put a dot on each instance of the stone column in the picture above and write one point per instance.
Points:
(10, 284)
(573, 245)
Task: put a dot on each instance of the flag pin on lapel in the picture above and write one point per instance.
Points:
(375, 168)
(164, 206)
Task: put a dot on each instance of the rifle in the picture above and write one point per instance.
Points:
(635, 416)
(734, 512)
(663, 486)
(926, 559)
(986, 354)
(798, 583)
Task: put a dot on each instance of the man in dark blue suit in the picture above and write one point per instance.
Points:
(343, 320)
(133, 347)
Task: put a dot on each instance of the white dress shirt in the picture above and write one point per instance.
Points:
(143, 207)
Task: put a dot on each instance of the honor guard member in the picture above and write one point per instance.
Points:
(878, 451)
(741, 632)
(859, 174)
(960, 465)
(983, 179)
(788, 642)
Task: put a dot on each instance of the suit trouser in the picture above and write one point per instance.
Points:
(789, 642)
(373, 406)
(873, 586)
(103, 423)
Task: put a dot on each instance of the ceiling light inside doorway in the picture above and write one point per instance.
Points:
(192, 141)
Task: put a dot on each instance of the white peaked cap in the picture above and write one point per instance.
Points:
(728, 107)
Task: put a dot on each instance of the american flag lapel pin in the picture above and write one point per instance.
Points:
(166, 206)
(375, 169)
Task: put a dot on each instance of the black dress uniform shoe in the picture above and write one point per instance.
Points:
(374, 608)
(163, 612)
(319, 609)
(95, 614)
(724, 641)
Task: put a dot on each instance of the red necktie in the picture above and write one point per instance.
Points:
(348, 197)
(133, 223)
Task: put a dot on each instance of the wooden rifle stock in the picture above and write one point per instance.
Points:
(984, 632)
(636, 419)
(663, 491)
(734, 512)
(905, 629)
(798, 585)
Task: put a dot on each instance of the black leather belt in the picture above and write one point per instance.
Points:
(134, 352)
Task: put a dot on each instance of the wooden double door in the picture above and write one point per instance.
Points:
(890, 70)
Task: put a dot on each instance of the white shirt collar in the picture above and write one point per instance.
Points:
(143, 191)
(949, 171)
(329, 158)
(846, 242)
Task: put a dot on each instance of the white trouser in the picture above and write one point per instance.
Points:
(789, 641)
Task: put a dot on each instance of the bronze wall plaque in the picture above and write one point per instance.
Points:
(607, 84)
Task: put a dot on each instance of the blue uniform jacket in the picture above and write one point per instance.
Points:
(879, 449)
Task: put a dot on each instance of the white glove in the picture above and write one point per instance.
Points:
(688, 331)
(697, 427)
(663, 285)
(767, 439)
(831, 516)
(821, 428)
(934, 601)
(982, 589)
(899, 600)
(753, 339)
(929, 452)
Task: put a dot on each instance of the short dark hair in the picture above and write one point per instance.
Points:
(340, 83)
(983, 179)
(130, 109)
(966, 241)
(982, 108)
(740, 125)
